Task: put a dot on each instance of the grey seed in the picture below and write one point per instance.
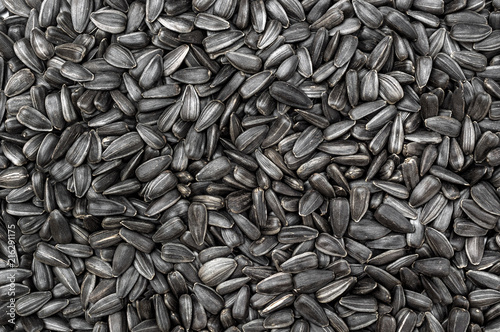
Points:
(483, 279)
(483, 297)
(330, 245)
(109, 20)
(310, 202)
(468, 229)
(33, 119)
(270, 35)
(53, 109)
(312, 280)
(470, 60)
(104, 207)
(52, 307)
(380, 54)
(311, 310)
(474, 248)
(19, 82)
(197, 221)
(126, 145)
(71, 52)
(82, 177)
(432, 209)
(140, 242)
(396, 137)
(221, 40)
(392, 219)
(24, 51)
(169, 230)
(255, 83)
(459, 319)
(444, 125)
(144, 265)
(67, 277)
(98, 267)
(7, 46)
(478, 215)
(321, 184)
(277, 12)
(210, 22)
(208, 298)
(446, 63)
(277, 131)
(487, 44)
(433, 267)
(232, 285)
(31, 303)
(77, 153)
(297, 234)
(150, 136)
(209, 115)
(153, 10)
(288, 68)
(335, 289)
(339, 215)
(394, 189)
(389, 89)
(80, 14)
(358, 321)
(353, 88)
(338, 129)
(75, 250)
(176, 253)
(216, 271)
(359, 303)
(309, 140)
(103, 81)
(151, 73)
(304, 65)
(345, 51)
(126, 281)
(480, 106)
(331, 18)
(366, 109)
(124, 104)
(173, 60)
(481, 193)
(251, 138)
(162, 91)
(192, 75)
(439, 243)
(19, 289)
(418, 301)
(103, 239)
(425, 190)
(258, 15)
(275, 284)
(289, 95)
(470, 32)
(106, 306)
(368, 14)
(279, 319)
(369, 87)
(300, 263)
(359, 201)
(447, 175)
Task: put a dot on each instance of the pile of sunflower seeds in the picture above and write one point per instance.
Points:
(250, 165)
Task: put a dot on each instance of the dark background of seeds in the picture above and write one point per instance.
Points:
(224, 165)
